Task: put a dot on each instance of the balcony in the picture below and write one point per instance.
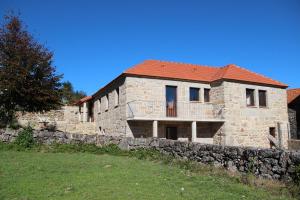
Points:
(181, 111)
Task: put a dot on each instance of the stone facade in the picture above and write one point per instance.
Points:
(294, 144)
(225, 120)
(152, 93)
(249, 126)
(110, 109)
(267, 163)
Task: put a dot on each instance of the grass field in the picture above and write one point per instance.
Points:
(36, 175)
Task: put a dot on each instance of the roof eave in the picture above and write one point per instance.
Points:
(282, 86)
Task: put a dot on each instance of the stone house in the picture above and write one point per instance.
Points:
(294, 112)
(217, 105)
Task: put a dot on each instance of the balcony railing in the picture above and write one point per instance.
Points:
(180, 110)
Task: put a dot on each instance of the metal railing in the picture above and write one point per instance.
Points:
(184, 110)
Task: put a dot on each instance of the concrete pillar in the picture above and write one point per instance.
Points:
(84, 113)
(155, 125)
(256, 98)
(194, 131)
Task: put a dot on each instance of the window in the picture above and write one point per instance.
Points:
(206, 95)
(117, 100)
(250, 97)
(194, 94)
(99, 105)
(107, 102)
(262, 94)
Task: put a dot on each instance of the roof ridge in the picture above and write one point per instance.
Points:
(222, 71)
(134, 66)
(183, 63)
(294, 89)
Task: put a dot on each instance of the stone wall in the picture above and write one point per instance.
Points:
(293, 123)
(151, 94)
(249, 126)
(294, 144)
(66, 119)
(110, 114)
(267, 163)
(244, 126)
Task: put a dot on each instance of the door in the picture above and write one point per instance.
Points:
(171, 101)
(171, 133)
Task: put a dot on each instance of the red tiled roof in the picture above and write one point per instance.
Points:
(292, 94)
(84, 99)
(162, 69)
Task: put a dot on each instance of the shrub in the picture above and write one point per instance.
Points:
(25, 138)
(295, 187)
(14, 124)
(297, 175)
(112, 149)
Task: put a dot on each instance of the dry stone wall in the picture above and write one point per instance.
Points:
(268, 163)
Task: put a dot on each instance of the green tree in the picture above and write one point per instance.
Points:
(69, 96)
(28, 79)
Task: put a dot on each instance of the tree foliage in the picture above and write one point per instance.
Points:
(28, 79)
(69, 95)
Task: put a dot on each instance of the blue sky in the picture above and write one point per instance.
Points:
(94, 41)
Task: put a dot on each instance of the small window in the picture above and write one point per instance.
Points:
(107, 102)
(99, 105)
(194, 94)
(206, 95)
(250, 97)
(262, 94)
(117, 98)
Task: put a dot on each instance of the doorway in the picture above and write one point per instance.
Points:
(171, 133)
(171, 101)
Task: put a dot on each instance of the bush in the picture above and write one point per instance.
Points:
(295, 188)
(14, 124)
(25, 138)
(297, 175)
(5, 117)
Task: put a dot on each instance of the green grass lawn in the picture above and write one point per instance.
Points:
(36, 175)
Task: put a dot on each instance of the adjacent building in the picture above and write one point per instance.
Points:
(226, 105)
(294, 112)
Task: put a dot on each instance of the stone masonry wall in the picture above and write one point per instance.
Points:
(66, 119)
(293, 123)
(267, 163)
(248, 126)
(111, 120)
(152, 92)
(294, 144)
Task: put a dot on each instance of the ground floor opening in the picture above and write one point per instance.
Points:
(195, 131)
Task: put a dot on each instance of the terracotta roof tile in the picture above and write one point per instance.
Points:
(292, 94)
(162, 69)
(84, 99)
